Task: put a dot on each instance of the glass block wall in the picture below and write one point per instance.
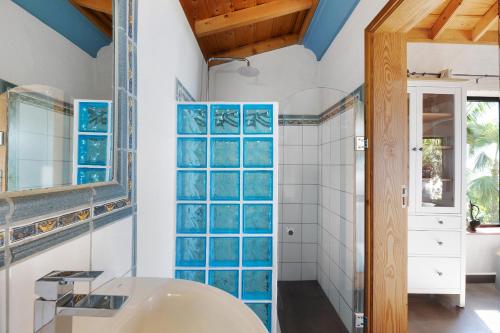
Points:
(227, 198)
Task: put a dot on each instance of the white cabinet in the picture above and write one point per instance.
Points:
(436, 223)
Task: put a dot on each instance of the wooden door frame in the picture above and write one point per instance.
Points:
(386, 123)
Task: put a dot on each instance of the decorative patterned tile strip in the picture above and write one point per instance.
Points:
(106, 219)
(288, 120)
(43, 227)
(344, 104)
(2, 238)
(110, 207)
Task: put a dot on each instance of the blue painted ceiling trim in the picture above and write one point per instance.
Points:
(64, 18)
(330, 17)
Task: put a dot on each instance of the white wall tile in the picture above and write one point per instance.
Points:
(293, 135)
(281, 135)
(310, 155)
(308, 270)
(292, 155)
(291, 271)
(309, 213)
(310, 194)
(292, 174)
(3, 302)
(310, 174)
(309, 233)
(292, 233)
(292, 213)
(292, 252)
(292, 194)
(310, 135)
(309, 253)
(346, 315)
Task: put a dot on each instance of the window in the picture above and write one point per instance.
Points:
(482, 172)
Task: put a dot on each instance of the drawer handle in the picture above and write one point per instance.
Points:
(439, 273)
(441, 222)
(439, 243)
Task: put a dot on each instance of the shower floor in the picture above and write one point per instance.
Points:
(303, 307)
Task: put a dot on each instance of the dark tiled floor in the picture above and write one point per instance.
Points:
(304, 308)
(438, 314)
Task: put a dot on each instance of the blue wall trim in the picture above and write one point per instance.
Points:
(64, 18)
(330, 17)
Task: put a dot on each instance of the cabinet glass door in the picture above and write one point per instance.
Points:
(437, 147)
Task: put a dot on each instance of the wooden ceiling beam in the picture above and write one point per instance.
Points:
(104, 6)
(445, 18)
(450, 36)
(485, 23)
(99, 19)
(307, 20)
(404, 15)
(260, 47)
(248, 16)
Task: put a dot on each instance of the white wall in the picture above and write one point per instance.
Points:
(481, 250)
(166, 49)
(108, 249)
(34, 53)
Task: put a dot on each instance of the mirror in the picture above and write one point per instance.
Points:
(56, 93)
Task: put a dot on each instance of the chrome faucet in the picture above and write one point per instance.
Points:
(56, 297)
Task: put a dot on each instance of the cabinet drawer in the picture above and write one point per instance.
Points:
(426, 274)
(431, 222)
(434, 243)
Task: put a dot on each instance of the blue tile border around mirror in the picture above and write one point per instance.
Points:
(225, 119)
(28, 208)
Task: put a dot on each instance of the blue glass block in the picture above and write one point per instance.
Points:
(91, 175)
(258, 219)
(225, 153)
(190, 251)
(191, 153)
(192, 119)
(257, 285)
(191, 219)
(258, 153)
(225, 219)
(257, 252)
(225, 280)
(191, 185)
(224, 119)
(263, 311)
(93, 117)
(93, 150)
(258, 185)
(224, 251)
(197, 276)
(258, 119)
(225, 185)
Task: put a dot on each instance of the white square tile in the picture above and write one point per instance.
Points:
(347, 150)
(333, 296)
(290, 271)
(309, 213)
(327, 133)
(310, 135)
(346, 315)
(292, 194)
(281, 135)
(324, 261)
(292, 174)
(336, 127)
(347, 234)
(292, 213)
(309, 253)
(347, 206)
(293, 135)
(280, 193)
(292, 233)
(335, 251)
(310, 155)
(3, 302)
(335, 152)
(310, 175)
(309, 233)
(310, 194)
(292, 155)
(281, 169)
(347, 123)
(292, 252)
(308, 271)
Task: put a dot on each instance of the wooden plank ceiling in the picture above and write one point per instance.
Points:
(242, 28)
(99, 12)
(458, 21)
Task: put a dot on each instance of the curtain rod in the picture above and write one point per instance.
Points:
(450, 74)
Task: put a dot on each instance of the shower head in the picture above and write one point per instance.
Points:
(248, 71)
